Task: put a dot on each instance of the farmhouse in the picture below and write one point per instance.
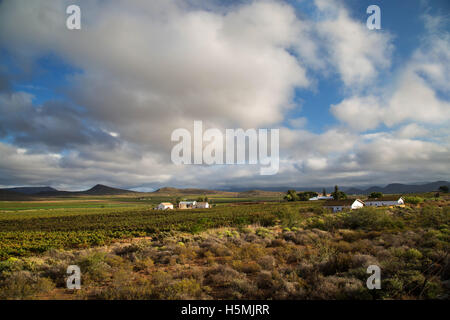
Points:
(165, 206)
(320, 198)
(339, 205)
(187, 204)
(202, 205)
(385, 201)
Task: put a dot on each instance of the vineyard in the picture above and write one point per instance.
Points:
(36, 231)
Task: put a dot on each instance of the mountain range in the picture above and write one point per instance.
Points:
(400, 188)
(99, 189)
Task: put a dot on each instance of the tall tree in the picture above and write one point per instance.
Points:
(291, 195)
(375, 195)
(337, 194)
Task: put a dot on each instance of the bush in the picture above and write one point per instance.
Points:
(370, 219)
(413, 200)
(184, 289)
(24, 285)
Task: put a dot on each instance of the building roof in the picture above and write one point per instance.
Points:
(386, 198)
(345, 202)
(202, 202)
(321, 198)
(166, 204)
(187, 202)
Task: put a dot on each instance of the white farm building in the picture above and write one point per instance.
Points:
(202, 205)
(320, 198)
(165, 206)
(187, 204)
(339, 205)
(385, 202)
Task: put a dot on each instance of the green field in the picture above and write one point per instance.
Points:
(35, 227)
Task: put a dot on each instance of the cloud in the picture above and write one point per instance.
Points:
(359, 113)
(145, 68)
(412, 130)
(298, 122)
(419, 92)
(357, 53)
(54, 125)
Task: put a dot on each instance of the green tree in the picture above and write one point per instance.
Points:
(324, 192)
(375, 195)
(304, 196)
(443, 189)
(291, 195)
(337, 194)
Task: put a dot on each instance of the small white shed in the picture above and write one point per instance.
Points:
(202, 205)
(385, 201)
(187, 204)
(339, 205)
(165, 206)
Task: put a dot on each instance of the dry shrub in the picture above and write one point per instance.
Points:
(57, 272)
(246, 266)
(343, 246)
(267, 262)
(185, 289)
(277, 243)
(144, 265)
(243, 288)
(333, 287)
(363, 260)
(264, 280)
(221, 276)
(24, 285)
(339, 263)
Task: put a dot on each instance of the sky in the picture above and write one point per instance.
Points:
(354, 106)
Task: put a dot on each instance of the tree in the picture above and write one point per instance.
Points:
(337, 194)
(291, 195)
(202, 199)
(375, 195)
(443, 189)
(304, 196)
(324, 192)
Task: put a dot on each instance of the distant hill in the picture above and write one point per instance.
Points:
(188, 191)
(8, 195)
(393, 188)
(100, 189)
(97, 190)
(31, 190)
(396, 188)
